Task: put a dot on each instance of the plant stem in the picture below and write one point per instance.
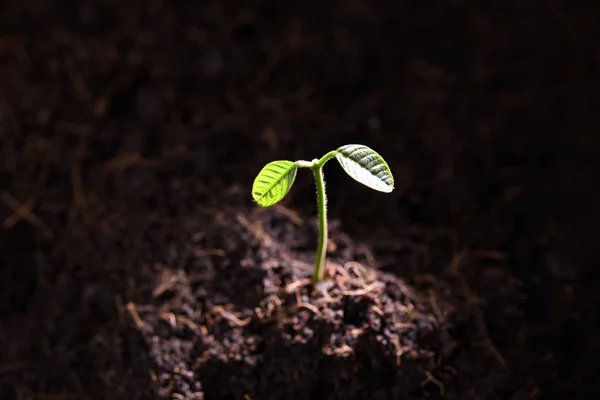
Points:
(317, 166)
(323, 234)
(325, 158)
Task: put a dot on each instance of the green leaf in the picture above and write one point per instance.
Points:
(273, 182)
(366, 166)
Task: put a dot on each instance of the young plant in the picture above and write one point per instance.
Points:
(363, 164)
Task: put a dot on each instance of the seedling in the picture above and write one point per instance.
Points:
(363, 164)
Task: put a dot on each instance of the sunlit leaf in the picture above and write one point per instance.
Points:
(273, 182)
(366, 166)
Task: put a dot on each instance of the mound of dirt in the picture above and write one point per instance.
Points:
(236, 316)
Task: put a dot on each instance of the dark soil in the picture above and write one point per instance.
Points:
(134, 265)
(242, 319)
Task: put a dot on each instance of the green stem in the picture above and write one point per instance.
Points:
(317, 166)
(322, 210)
(326, 158)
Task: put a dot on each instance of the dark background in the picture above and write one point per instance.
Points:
(487, 113)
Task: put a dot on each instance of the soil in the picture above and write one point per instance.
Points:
(134, 265)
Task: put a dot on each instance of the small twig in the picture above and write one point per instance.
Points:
(329, 299)
(170, 317)
(436, 309)
(204, 330)
(430, 378)
(311, 308)
(399, 351)
(362, 291)
(295, 285)
(292, 215)
(356, 331)
(231, 317)
(24, 212)
(16, 217)
(276, 300)
(153, 376)
(171, 384)
(187, 322)
(135, 315)
(494, 350)
(166, 284)
(209, 252)
(308, 306)
(256, 231)
(357, 268)
(404, 325)
(77, 81)
(455, 268)
(343, 271)
(342, 351)
(377, 310)
(368, 255)
(204, 357)
(271, 303)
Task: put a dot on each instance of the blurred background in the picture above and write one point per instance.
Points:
(487, 113)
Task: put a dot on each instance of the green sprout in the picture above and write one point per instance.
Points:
(363, 164)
